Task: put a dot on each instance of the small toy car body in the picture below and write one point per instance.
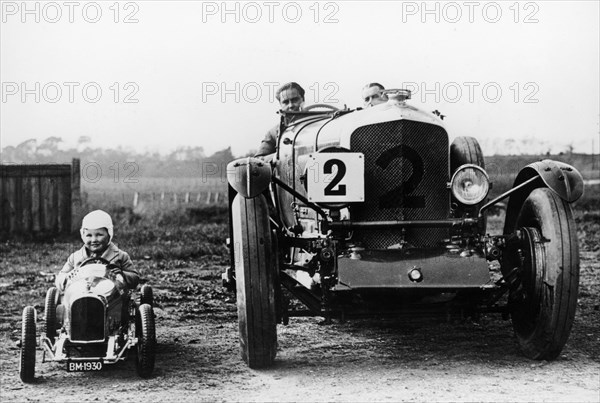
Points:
(373, 211)
(92, 324)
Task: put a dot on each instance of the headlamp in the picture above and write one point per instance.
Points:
(470, 184)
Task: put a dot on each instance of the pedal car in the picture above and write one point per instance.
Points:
(93, 323)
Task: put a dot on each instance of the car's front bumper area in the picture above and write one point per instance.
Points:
(115, 348)
(416, 269)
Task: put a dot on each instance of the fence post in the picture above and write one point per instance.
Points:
(208, 198)
(187, 197)
(135, 199)
(216, 197)
(75, 193)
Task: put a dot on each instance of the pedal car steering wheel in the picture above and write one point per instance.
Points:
(316, 106)
(92, 260)
(101, 260)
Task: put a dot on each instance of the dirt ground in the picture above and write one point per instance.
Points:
(360, 360)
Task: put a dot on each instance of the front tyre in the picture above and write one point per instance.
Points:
(50, 314)
(28, 341)
(544, 306)
(255, 271)
(146, 334)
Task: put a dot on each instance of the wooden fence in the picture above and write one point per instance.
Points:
(41, 198)
(148, 202)
(173, 198)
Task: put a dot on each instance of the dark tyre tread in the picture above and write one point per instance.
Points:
(543, 327)
(28, 345)
(50, 314)
(465, 150)
(147, 295)
(255, 281)
(146, 347)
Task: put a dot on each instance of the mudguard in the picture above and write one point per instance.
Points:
(249, 176)
(561, 178)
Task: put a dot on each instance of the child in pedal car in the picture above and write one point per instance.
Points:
(96, 233)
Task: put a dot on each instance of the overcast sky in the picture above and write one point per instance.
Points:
(156, 74)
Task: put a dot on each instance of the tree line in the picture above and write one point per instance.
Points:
(182, 161)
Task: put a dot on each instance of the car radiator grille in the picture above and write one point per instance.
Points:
(406, 171)
(87, 319)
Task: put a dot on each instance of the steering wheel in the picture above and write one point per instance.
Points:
(316, 106)
(92, 260)
(101, 260)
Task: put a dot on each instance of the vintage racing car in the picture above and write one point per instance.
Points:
(93, 323)
(372, 211)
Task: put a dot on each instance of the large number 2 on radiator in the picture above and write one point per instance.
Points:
(400, 196)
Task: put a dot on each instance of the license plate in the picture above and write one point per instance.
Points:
(80, 366)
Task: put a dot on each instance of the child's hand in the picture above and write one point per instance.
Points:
(115, 270)
(116, 273)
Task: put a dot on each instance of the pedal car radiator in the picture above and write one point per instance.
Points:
(406, 171)
(87, 319)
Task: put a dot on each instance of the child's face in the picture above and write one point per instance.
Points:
(96, 240)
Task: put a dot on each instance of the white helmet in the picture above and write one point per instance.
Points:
(97, 219)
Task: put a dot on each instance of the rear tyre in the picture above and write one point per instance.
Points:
(146, 295)
(28, 340)
(255, 271)
(544, 305)
(50, 314)
(146, 348)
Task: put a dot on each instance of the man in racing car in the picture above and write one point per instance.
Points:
(96, 233)
(371, 94)
(291, 98)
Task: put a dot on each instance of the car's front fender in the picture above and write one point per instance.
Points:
(249, 176)
(563, 179)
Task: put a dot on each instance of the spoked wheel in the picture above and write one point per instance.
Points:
(50, 314)
(146, 333)
(146, 295)
(28, 341)
(255, 280)
(543, 306)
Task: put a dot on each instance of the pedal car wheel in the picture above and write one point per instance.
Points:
(255, 281)
(146, 334)
(28, 341)
(50, 314)
(146, 295)
(545, 306)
